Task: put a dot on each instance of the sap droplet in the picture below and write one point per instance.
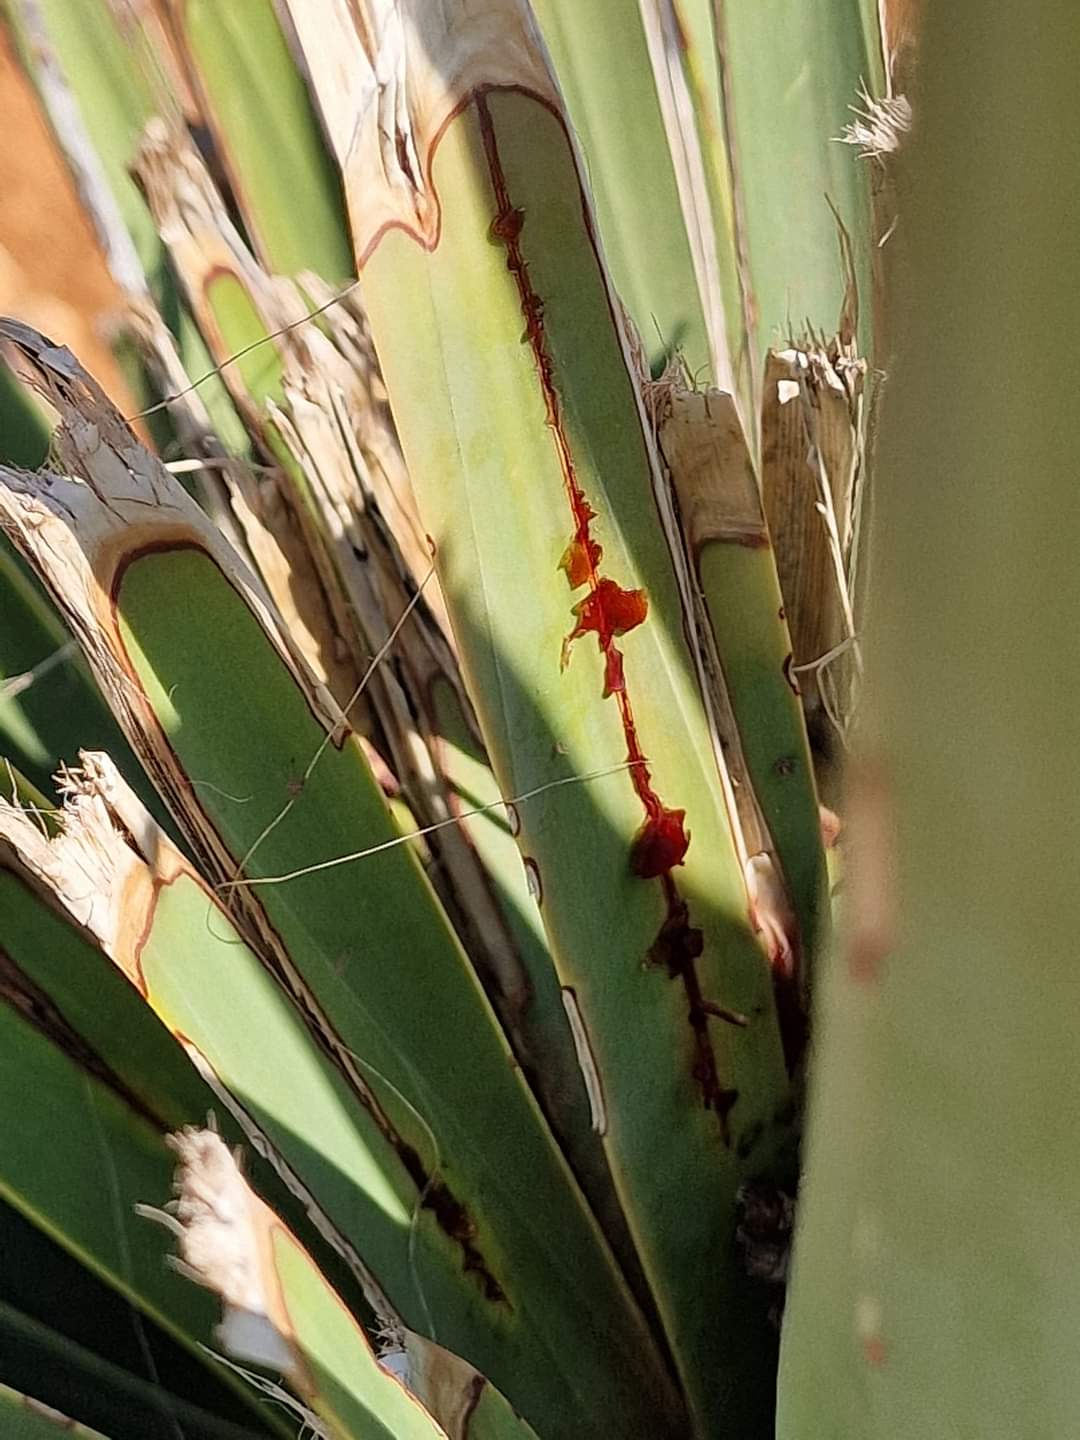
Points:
(579, 560)
(678, 943)
(513, 819)
(660, 844)
(868, 1330)
(506, 227)
(609, 611)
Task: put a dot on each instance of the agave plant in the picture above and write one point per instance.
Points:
(434, 590)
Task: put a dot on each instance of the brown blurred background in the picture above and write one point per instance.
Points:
(52, 274)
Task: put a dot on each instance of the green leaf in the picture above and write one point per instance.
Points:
(26, 1419)
(49, 704)
(795, 70)
(278, 1309)
(83, 1385)
(449, 1159)
(285, 183)
(731, 555)
(933, 1289)
(611, 96)
(507, 370)
(96, 1133)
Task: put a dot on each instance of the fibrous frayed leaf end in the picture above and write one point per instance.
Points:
(880, 127)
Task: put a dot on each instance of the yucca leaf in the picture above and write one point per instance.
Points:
(49, 705)
(100, 1053)
(279, 1309)
(520, 419)
(639, 189)
(96, 1391)
(24, 1418)
(794, 71)
(96, 1128)
(395, 1003)
(874, 15)
(278, 1091)
(100, 82)
(285, 183)
(96, 1007)
(933, 1287)
(731, 555)
(813, 480)
(347, 521)
(24, 430)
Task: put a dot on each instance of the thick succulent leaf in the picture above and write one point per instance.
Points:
(693, 86)
(24, 429)
(347, 520)
(53, 975)
(286, 185)
(278, 1309)
(229, 722)
(24, 1418)
(49, 704)
(82, 46)
(507, 367)
(732, 561)
(651, 197)
(793, 72)
(72, 990)
(98, 1129)
(239, 309)
(95, 1391)
(95, 1038)
(875, 19)
(934, 1282)
(91, 872)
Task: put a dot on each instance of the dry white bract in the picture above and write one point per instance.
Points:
(880, 127)
(217, 1223)
(217, 1240)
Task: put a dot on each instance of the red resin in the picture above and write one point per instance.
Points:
(507, 224)
(609, 611)
(579, 561)
(614, 678)
(660, 844)
(678, 943)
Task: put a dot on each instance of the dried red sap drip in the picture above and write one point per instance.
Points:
(579, 561)
(661, 843)
(607, 611)
(507, 225)
(614, 678)
(679, 943)
(875, 1352)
